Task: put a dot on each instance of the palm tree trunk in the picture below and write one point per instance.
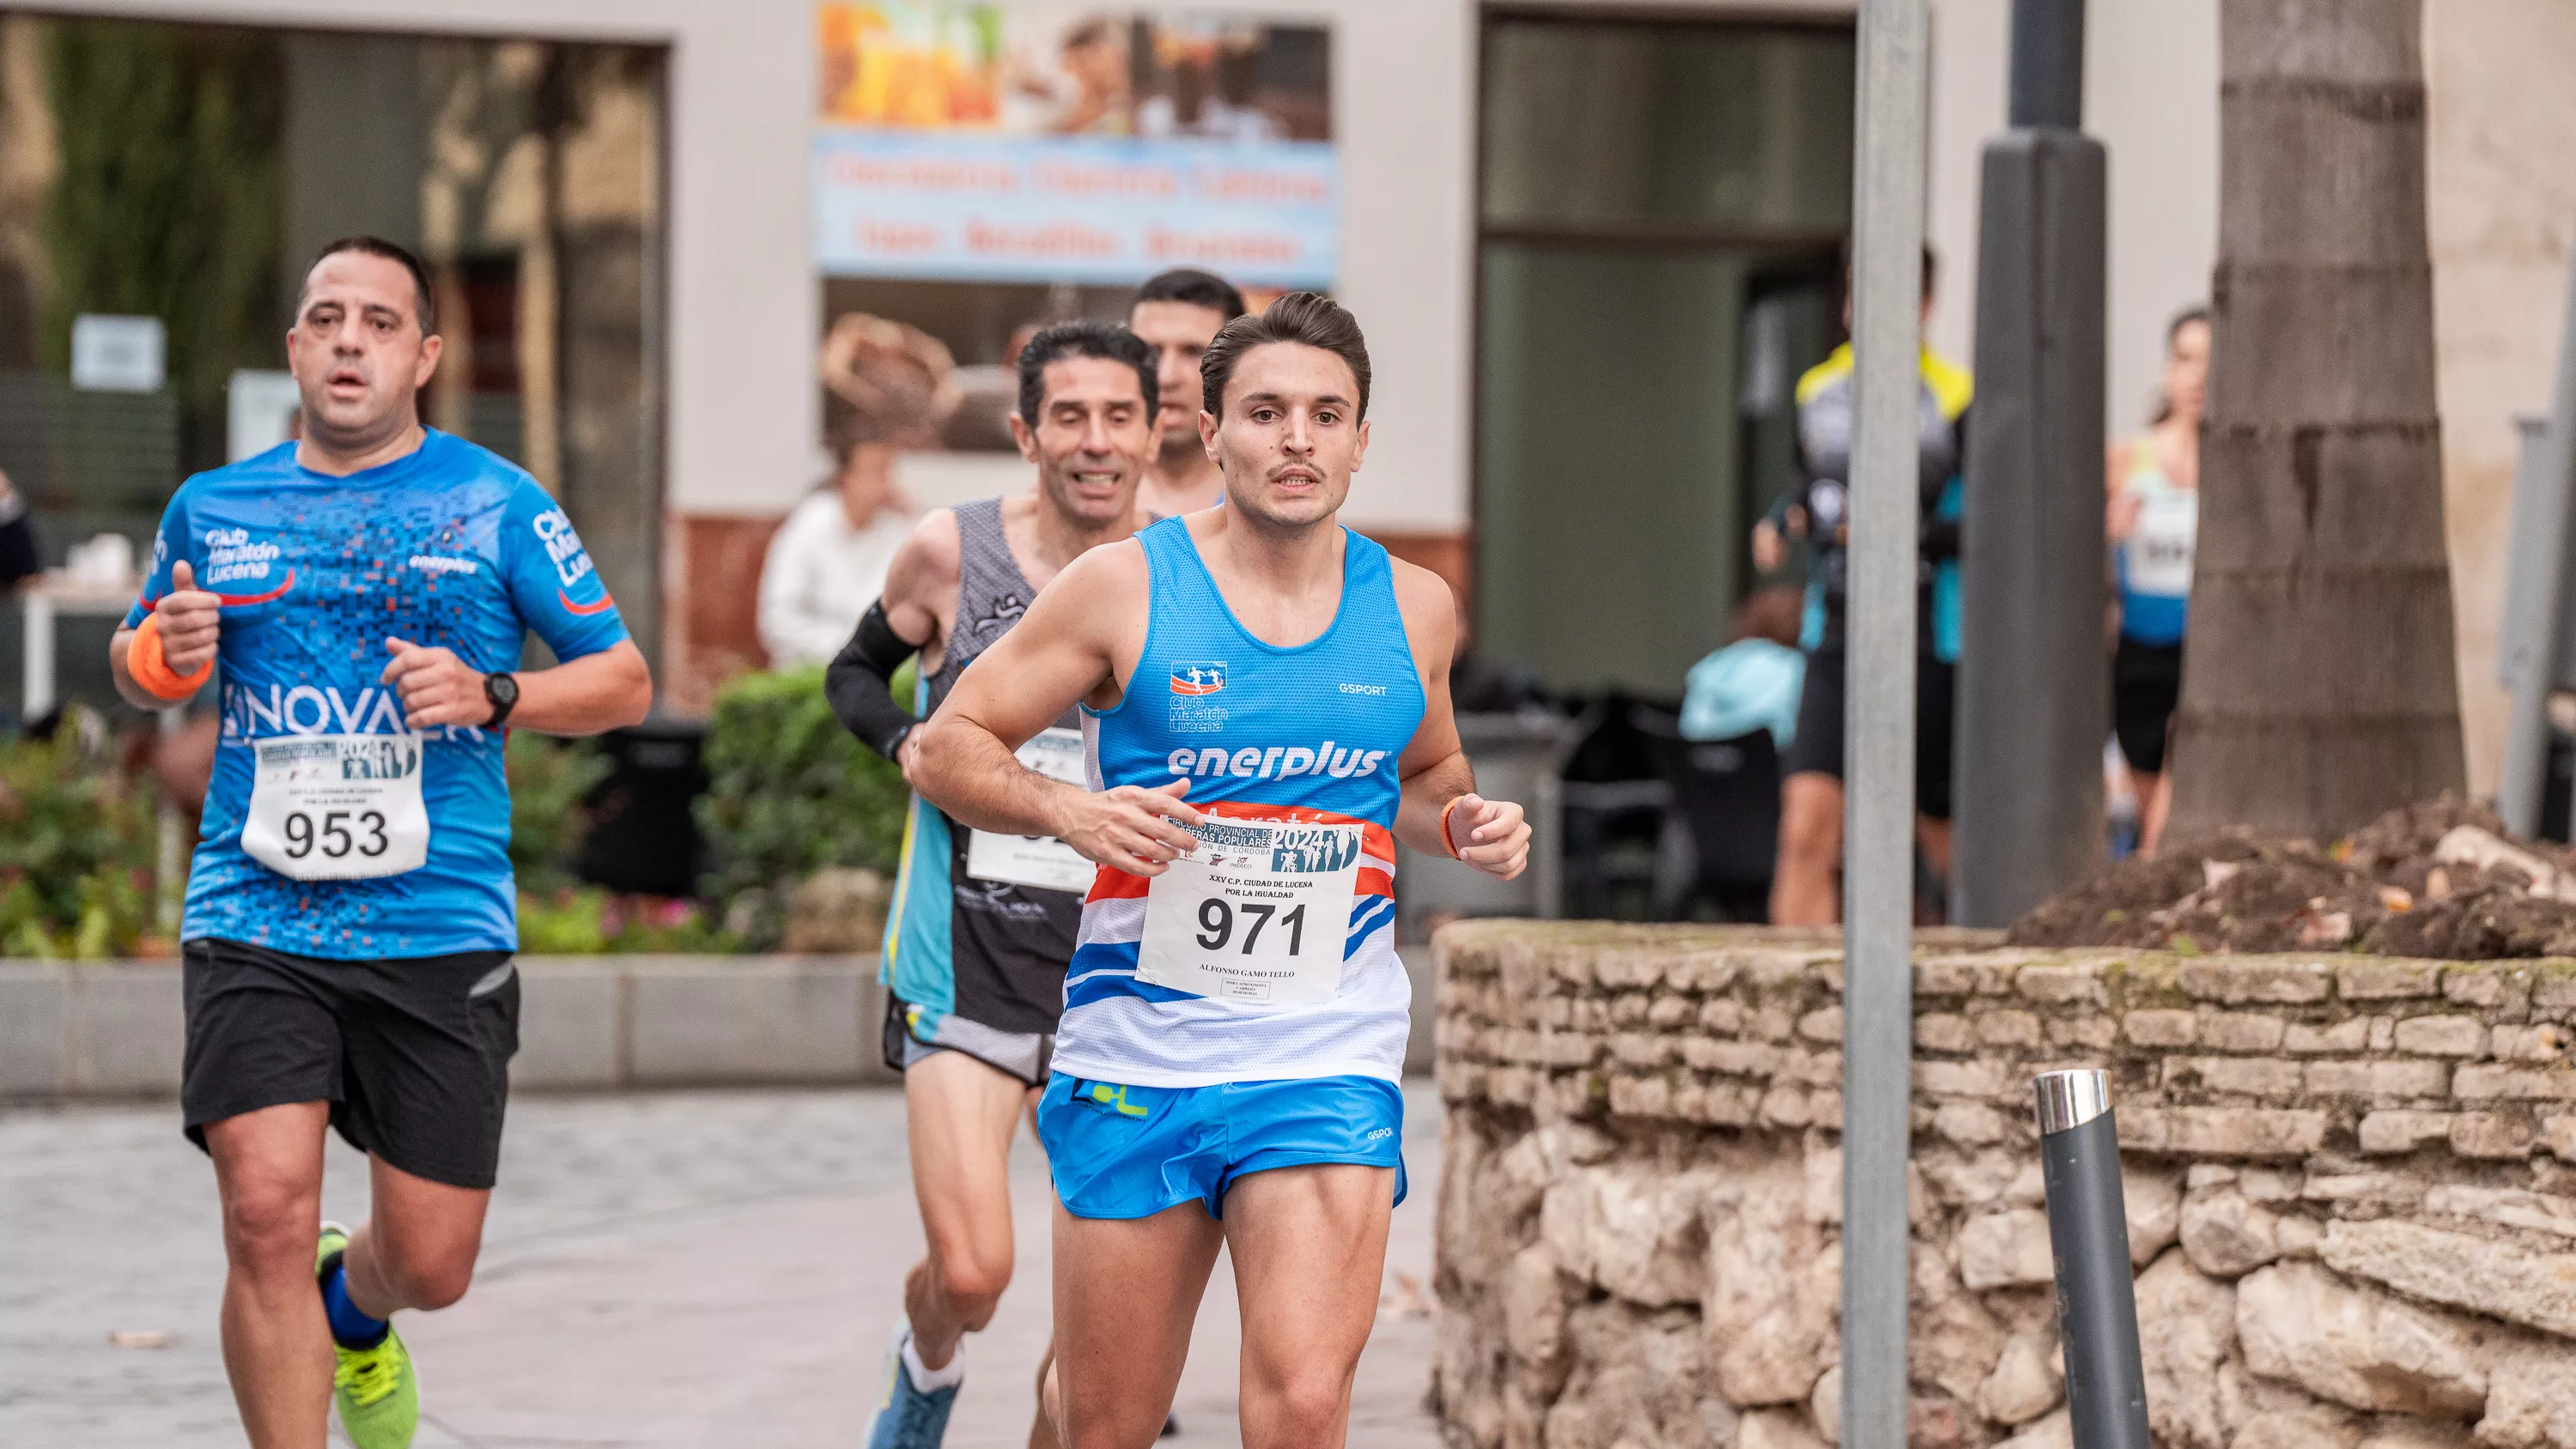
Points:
(2319, 689)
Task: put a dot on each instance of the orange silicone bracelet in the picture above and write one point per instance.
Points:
(143, 660)
(1445, 837)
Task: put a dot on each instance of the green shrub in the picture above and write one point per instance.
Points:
(549, 779)
(77, 845)
(789, 792)
(588, 921)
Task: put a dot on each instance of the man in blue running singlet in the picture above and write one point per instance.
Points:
(350, 916)
(1226, 1067)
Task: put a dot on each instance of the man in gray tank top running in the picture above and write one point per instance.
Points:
(984, 924)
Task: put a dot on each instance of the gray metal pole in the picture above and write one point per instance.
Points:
(1878, 762)
(2033, 701)
(2088, 1233)
(2526, 748)
(2047, 85)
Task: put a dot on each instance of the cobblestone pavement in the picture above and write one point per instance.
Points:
(687, 1268)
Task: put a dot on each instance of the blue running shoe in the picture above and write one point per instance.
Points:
(907, 1418)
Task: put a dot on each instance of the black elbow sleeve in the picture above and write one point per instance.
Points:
(856, 683)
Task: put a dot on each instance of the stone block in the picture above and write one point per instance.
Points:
(1786, 1107)
(2442, 1036)
(2475, 985)
(2241, 979)
(1769, 1302)
(1735, 1058)
(2186, 1330)
(2478, 1274)
(2224, 1131)
(1721, 1016)
(1641, 1096)
(2161, 1028)
(2388, 980)
(2006, 1249)
(2096, 1033)
(1700, 971)
(2498, 1135)
(2402, 1131)
(572, 1023)
(2476, 1083)
(128, 1028)
(2531, 1401)
(2548, 1042)
(2070, 984)
(1944, 1031)
(1945, 975)
(2505, 1207)
(2558, 1137)
(2025, 1383)
(2249, 1076)
(35, 1026)
(725, 1021)
(1973, 1124)
(1641, 1048)
(2380, 1079)
(2355, 1346)
(2154, 1203)
(1985, 1080)
(2056, 1431)
(2241, 1031)
(1669, 1011)
(1774, 1429)
(2008, 1029)
(2225, 1235)
(2344, 1036)
(1824, 1024)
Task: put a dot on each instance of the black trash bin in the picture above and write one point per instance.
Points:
(643, 834)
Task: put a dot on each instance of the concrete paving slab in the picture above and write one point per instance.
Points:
(680, 1268)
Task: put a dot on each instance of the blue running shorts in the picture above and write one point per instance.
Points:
(1130, 1152)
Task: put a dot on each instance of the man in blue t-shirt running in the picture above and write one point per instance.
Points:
(351, 914)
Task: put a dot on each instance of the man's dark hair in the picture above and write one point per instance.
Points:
(1199, 289)
(1304, 318)
(426, 309)
(1931, 267)
(1086, 338)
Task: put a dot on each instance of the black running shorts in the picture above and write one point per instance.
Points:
(2146, 685)
(413, 1055)
(1818, 748)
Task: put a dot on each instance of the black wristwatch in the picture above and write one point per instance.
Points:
(503, 691)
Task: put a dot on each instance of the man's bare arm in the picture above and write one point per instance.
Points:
(1487, 834)
(1064, 650)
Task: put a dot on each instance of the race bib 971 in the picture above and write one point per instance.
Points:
(337, 807)
(1256, 913)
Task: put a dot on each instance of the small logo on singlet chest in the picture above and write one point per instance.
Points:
(1194, 681)
(997, 617)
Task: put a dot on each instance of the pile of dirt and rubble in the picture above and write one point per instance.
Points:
(2440, 878)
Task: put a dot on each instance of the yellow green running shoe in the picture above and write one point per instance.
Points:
(378, 1395)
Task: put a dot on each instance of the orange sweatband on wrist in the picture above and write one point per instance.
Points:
(151, 671)
(1445, 837)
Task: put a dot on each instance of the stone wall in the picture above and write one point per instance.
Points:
(2351, 1186)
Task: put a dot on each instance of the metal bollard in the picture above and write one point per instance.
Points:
(2088, 1233)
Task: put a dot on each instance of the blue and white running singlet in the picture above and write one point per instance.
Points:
(330, 828)
(1270, 953)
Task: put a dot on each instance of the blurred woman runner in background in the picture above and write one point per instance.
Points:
(2154, 516)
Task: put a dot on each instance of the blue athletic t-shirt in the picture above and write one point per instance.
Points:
(451, 546)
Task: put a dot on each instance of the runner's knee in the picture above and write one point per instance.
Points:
(270, 1227)
(1810, 831)
(1307, 1407)
(426, 1281)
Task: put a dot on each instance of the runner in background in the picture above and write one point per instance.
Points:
(2154, 517)
(1806, 884)
(1266, 695)
(984, 921)
(1178, 314)
(350, 913)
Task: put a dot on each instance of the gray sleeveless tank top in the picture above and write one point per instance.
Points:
(992, 595)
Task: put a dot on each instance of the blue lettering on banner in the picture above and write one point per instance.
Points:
(979, 207)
